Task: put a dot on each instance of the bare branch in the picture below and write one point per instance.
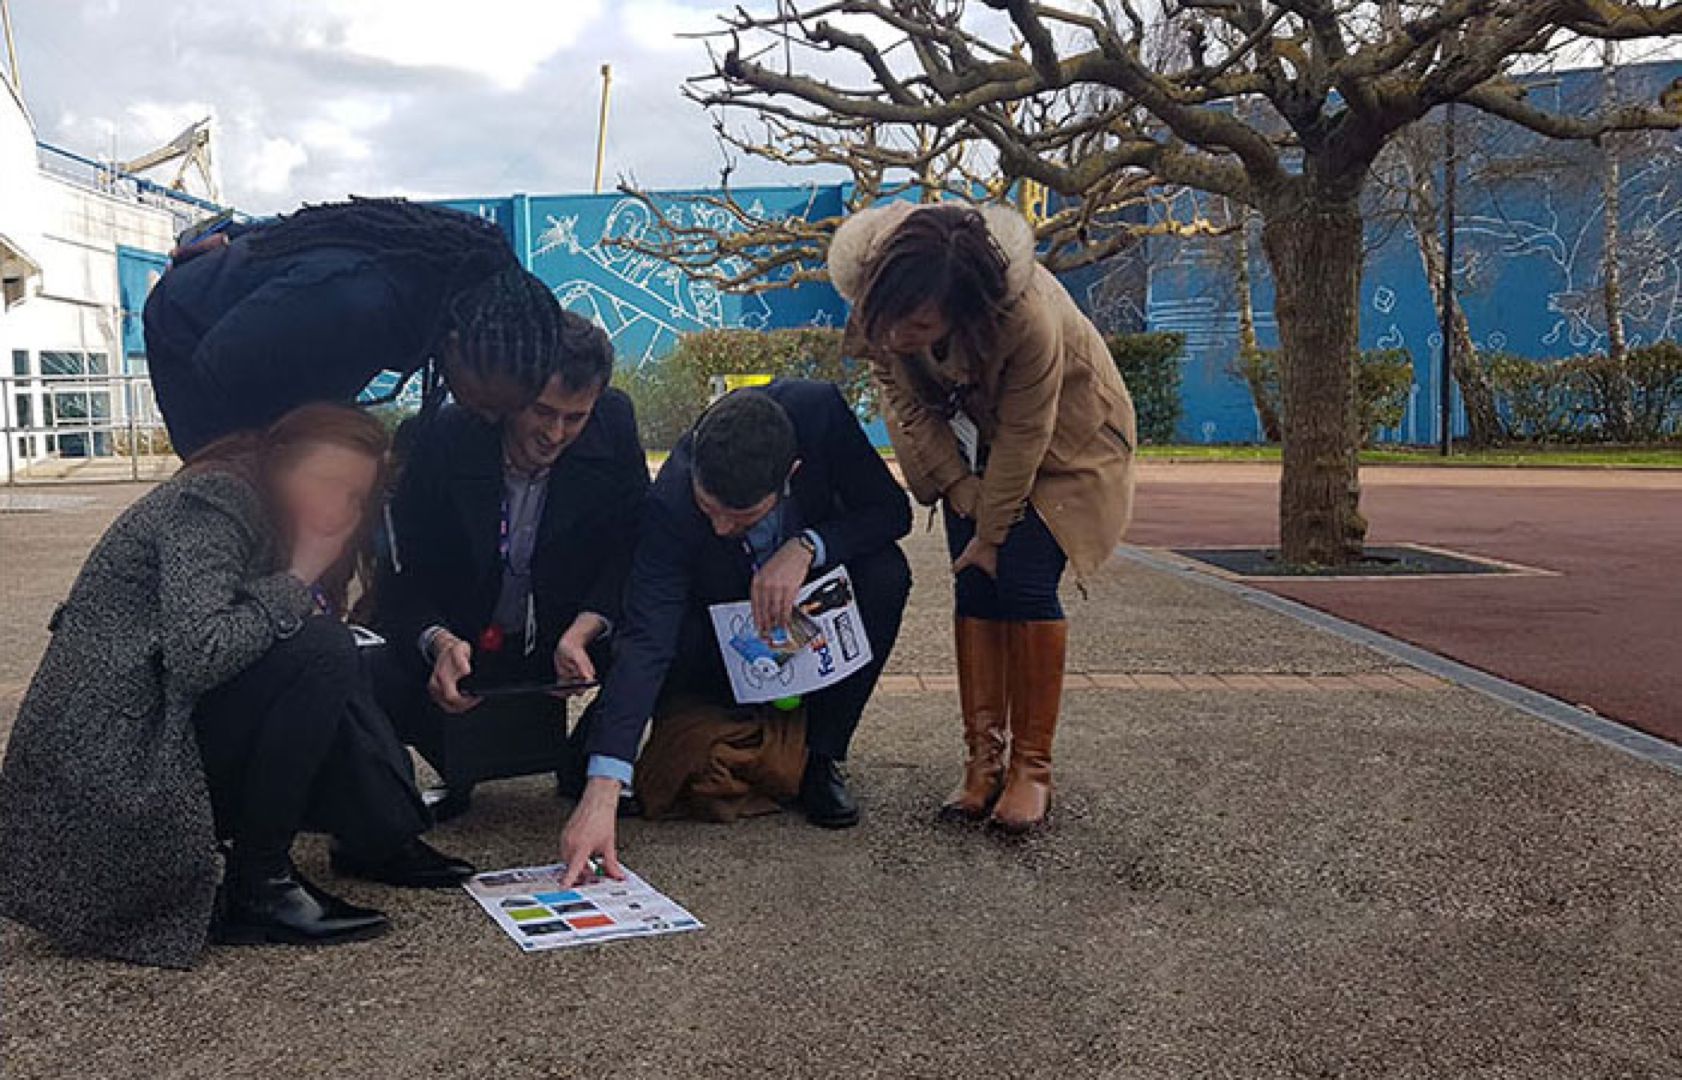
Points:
(1264, 102)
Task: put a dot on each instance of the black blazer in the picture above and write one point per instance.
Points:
(842, 490)
(443, 566)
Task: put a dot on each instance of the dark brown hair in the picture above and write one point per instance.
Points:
(743, 448)
(259, 457)
(945, 255)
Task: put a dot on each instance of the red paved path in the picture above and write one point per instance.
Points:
(1606, 633)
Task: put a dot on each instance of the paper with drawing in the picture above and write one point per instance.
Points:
(824, 643)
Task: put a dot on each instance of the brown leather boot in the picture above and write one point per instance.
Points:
(1037, 651)
(981, 697)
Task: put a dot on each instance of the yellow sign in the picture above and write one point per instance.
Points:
(723, 384)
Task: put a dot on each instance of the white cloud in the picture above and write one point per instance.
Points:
(269, 171)
(655, 25)
(502, 41)
(318, 99)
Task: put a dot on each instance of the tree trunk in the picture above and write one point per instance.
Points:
(1249, 347)
(1313, 242)
(1620, 418)
(1483, 420)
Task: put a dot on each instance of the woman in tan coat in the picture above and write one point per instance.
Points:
(1004, 406)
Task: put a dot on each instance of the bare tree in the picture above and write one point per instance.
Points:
(1408, 174)
(1611, 252)
(1083, 99)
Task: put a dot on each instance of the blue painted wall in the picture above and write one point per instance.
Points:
(1529, 224)
(644, 304)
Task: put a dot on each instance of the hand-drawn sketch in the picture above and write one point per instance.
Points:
(644, 304)
(1563, 242)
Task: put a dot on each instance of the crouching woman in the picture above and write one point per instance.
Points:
(198, 688)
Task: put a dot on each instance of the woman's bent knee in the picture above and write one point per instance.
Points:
(322, 648)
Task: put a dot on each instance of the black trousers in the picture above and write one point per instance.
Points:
(881, 586)
(296, 743)
(514, 736)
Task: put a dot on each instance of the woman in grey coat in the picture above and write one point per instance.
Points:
(196, 689)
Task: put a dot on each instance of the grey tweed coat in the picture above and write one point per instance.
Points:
(107, 842)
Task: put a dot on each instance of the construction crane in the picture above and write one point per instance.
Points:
(192, 149)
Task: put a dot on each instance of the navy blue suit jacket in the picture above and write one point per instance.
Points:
(842, 490)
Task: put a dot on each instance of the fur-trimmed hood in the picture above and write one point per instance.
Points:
(858, 243)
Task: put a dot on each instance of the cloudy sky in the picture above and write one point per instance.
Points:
(317, 99)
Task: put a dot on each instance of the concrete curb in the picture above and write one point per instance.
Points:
(1548, 709)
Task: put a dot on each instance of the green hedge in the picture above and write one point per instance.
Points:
(1150, 365)
(671, 392)
(1383, 379)
(1536, 398)
(1589, 399)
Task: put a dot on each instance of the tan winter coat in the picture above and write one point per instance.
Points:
(1047, 398)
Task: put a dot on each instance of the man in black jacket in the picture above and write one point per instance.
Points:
(511, 541)
(770, 487)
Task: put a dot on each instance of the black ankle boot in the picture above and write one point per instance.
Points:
(824, 795)
(283, 908)
(414, 865)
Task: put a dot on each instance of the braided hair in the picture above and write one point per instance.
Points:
(505, 321)
(509, 324)
(450, 241)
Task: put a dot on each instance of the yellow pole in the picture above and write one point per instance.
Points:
(601, 125)
(11, 47)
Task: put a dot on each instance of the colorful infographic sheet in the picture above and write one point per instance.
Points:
(531, 907)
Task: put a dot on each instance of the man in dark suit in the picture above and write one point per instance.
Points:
(511, 541)
(771, 487)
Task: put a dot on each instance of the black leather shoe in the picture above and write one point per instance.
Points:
(448, 802)
(286, 909)
(415, 865)
(824, 795)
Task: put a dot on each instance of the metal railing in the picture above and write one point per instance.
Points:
(81, 429)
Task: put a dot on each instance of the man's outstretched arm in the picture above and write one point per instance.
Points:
(655, 598)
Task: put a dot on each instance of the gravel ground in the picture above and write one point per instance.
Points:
(1243, 885)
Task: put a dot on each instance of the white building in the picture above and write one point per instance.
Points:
(79, 248)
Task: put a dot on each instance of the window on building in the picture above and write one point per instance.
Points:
(75, 402)
(20, 362)
(55, 362)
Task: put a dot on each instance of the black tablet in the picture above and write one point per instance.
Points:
(472, 688)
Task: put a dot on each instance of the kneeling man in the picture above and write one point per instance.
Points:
(771, 487)
(512, 540)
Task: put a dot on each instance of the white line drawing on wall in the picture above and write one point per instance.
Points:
(1652, 258)
(645, 304)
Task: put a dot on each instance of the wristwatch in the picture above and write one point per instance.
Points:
(806, 542)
